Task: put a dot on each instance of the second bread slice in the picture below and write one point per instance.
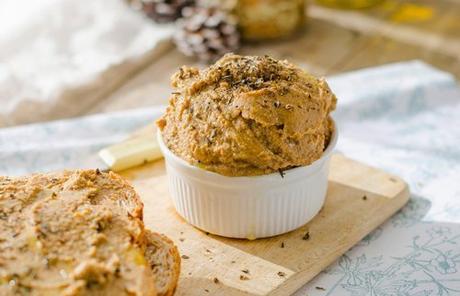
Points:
(163, 257)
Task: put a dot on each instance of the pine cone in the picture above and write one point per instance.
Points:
(206, 33)
(162, 11)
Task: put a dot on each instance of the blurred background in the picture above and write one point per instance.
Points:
(64, 58)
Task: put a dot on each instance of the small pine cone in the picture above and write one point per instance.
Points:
(163, 11)
(206, 33)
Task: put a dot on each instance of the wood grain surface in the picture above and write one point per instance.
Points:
(359, 199)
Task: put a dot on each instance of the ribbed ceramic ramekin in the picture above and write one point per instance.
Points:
(247, 207)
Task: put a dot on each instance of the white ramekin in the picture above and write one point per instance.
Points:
(247, 207)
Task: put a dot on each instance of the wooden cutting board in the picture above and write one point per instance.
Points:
(359, 199)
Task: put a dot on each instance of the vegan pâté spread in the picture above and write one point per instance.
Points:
(248, 115)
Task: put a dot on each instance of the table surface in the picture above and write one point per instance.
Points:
(333, 41)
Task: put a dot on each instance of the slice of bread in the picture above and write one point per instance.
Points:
(74, 233)
(163, 257)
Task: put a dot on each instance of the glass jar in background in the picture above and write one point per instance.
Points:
(269, 19)
(349, 4)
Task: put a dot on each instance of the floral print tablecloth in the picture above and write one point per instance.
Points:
(404, 118)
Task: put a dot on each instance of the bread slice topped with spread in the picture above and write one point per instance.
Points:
(80, 233)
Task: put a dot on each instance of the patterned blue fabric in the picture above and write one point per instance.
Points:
(404, 118)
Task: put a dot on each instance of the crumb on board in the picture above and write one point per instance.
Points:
(306, 236)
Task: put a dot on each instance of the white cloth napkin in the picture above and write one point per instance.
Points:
(403, 118)
(57, 57)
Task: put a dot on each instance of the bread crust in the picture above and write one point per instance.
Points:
(161, 253)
